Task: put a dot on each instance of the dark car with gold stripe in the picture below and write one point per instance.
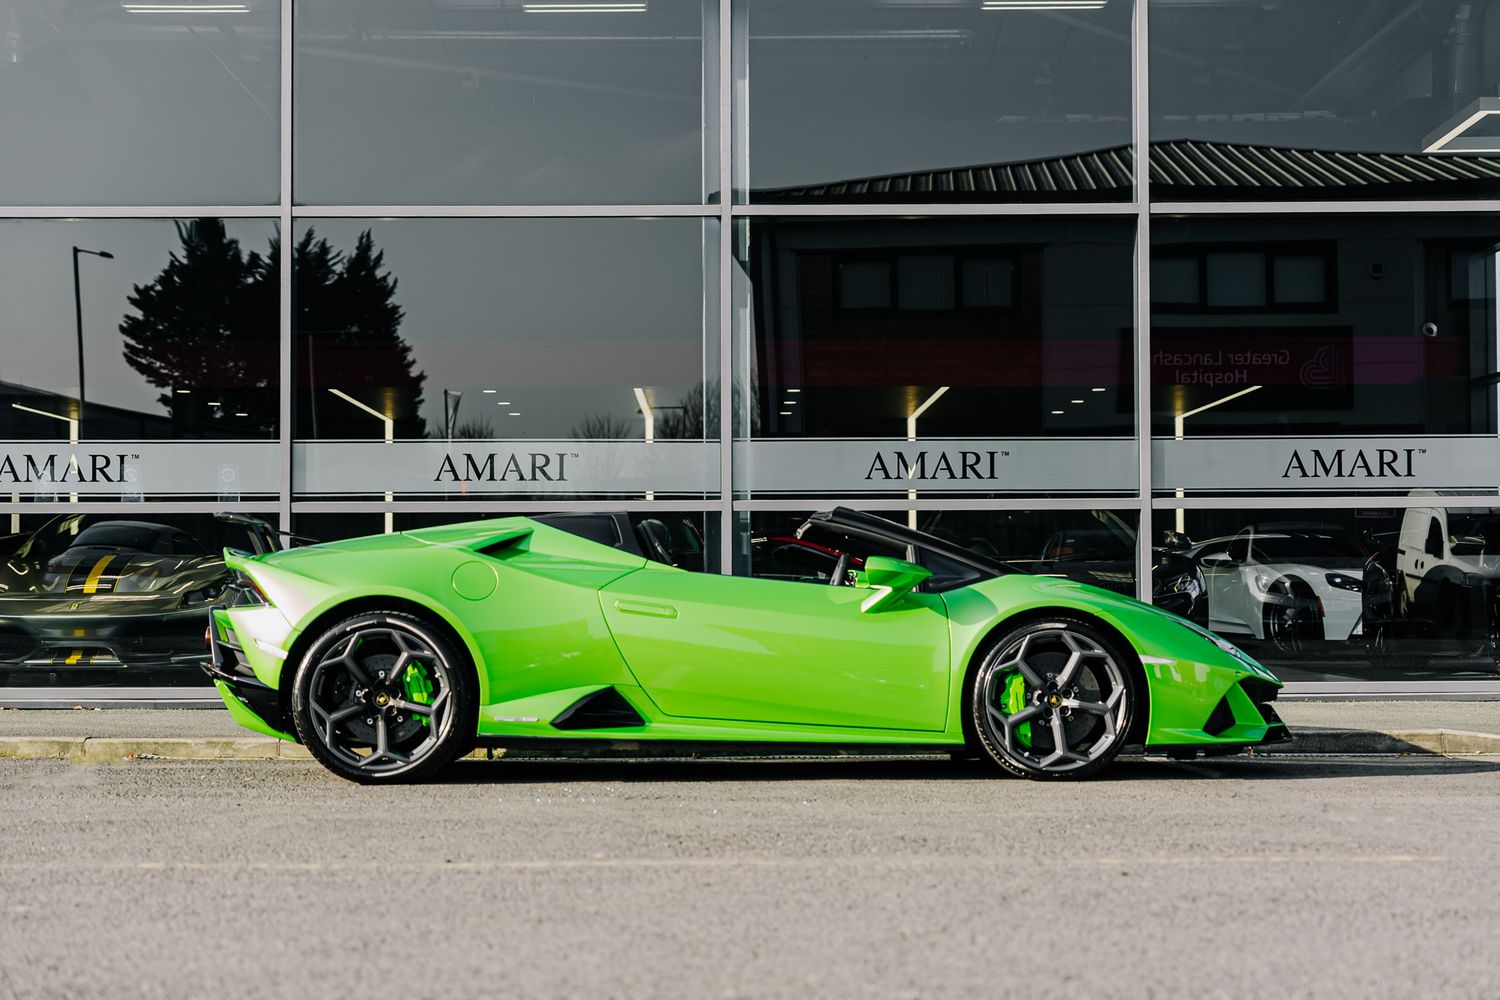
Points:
(84, 593)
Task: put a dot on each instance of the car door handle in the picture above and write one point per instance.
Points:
(648, 608)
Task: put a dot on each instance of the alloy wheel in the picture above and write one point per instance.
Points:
(1052, 700)
(380, 697)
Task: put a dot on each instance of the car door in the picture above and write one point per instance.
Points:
(707, 646)
(1214, 562)
(1227, 591)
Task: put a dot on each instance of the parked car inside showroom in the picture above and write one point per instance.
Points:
(1440, 574)
(85, 593)
(1289, 583)
(1105, 557)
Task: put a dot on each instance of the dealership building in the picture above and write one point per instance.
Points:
(1194, 300)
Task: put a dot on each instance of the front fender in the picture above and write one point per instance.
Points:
(1188, 670)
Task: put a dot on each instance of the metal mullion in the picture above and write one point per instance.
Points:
(1477, 206)
(497, 506)
(116, 506)
(288, 242)
(1141, 128)
(726, 286)
(941, 209)
(506, 211)
(1433, 690)
(1325, 502)
(72, 212)
(794, 504)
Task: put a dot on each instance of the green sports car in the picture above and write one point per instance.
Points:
(390, 656)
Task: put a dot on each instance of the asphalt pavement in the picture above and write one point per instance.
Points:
(1316, 877)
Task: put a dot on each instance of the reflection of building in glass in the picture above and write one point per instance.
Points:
(1185, 170)
(861, 323)
(104, 422)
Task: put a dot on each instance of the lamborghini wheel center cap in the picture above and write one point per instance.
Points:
(382, 699)
(1054, 699)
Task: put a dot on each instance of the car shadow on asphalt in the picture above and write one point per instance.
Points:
(1258, 768)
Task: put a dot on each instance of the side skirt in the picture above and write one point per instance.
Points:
(594, 746)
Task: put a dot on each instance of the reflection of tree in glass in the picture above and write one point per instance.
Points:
(599, 427)
(478, 429)
(207, 325)
(348, 338)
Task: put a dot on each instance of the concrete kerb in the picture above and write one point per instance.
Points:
(112, 750)
(1446, 742)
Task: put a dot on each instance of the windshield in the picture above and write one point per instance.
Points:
(1474, 534)
(1091, 544)
(116, 536)
(1303, 546)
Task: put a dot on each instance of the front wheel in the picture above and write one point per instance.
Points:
(383, 697)
(1053, 699)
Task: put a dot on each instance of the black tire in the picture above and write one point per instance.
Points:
(1104, 678)
(356, 710)
(1291, 622)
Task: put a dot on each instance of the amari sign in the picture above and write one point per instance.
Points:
(937, 466)
(132, 470)
(848, 466)
(485, 468)
(1370, 463)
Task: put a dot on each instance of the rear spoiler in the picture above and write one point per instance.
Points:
(263, 537)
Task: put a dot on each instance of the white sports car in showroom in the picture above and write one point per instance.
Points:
(1289, 583)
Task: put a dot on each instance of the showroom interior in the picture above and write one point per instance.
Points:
(1194, 300)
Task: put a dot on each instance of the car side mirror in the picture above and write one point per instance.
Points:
(1175, 541)
(891, 580)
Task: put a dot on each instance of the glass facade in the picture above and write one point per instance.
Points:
(1195, 301)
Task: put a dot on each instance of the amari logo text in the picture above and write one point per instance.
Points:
(925, 466)
(54, 468)
(504, 467)
(1344, 463)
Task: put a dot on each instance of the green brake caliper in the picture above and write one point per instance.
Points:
(418, 687)
(1015, 700)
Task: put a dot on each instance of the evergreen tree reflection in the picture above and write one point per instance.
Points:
(205, 332)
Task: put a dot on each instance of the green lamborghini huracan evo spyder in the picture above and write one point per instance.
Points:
(392, 655)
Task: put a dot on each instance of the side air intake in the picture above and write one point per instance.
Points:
(604, 709)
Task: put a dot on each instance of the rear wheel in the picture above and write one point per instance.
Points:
(383, 697)
(1053, 699)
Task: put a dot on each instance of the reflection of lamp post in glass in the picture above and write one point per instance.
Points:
(648, 414)
(451, 399)
(78, 314)
(72, 423)
(650, 429)
(911, 435)
(1177, 435)
(390, 437)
